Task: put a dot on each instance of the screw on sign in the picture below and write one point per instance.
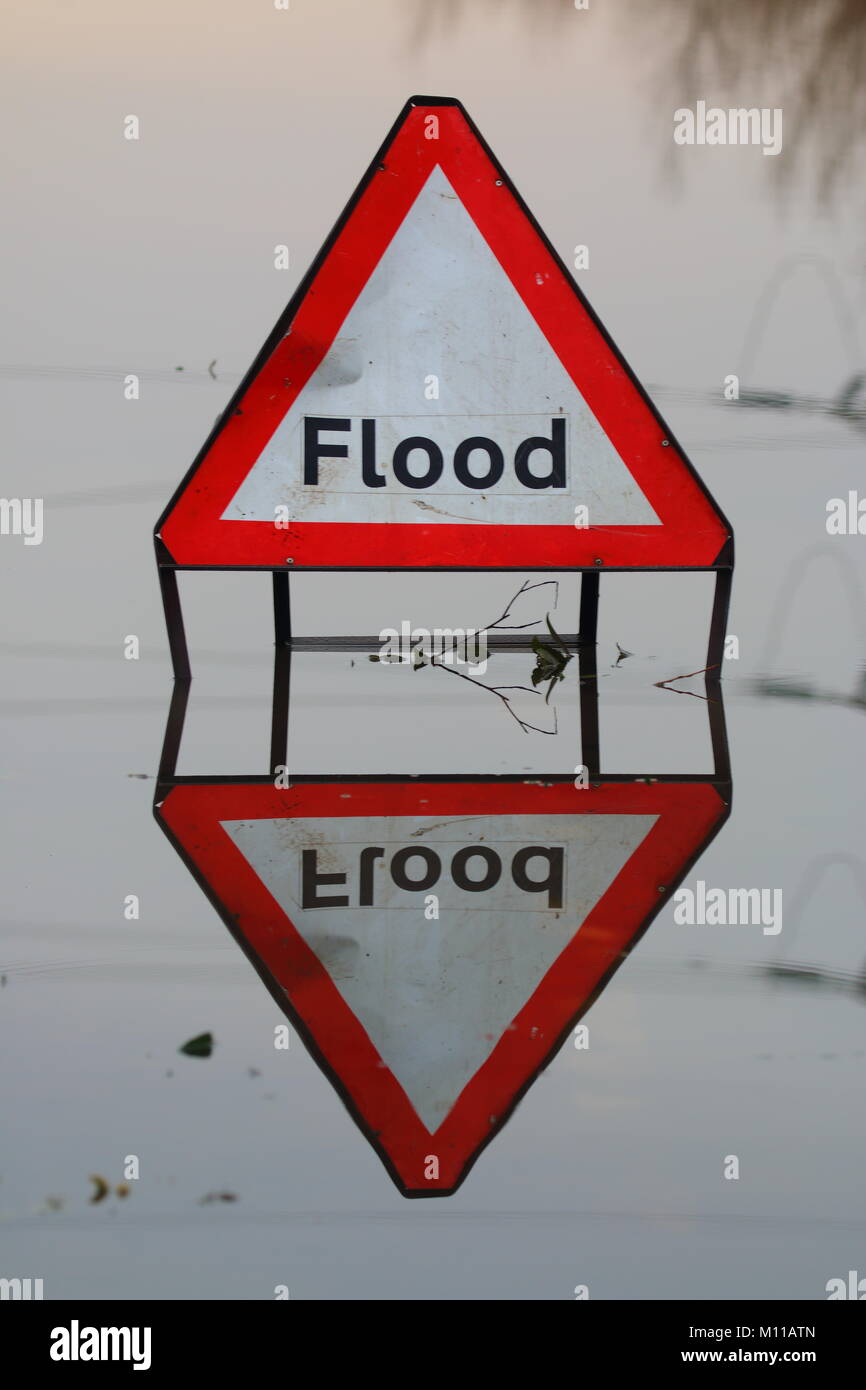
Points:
(437, 270)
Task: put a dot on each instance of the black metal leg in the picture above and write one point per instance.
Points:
(713, 679)
(174, 623)
(587, 663)
(280, 708)
(719, 619)
(173, 734)
(282, 609)
(588, 629)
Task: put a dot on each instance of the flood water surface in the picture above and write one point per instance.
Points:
(690, 1119)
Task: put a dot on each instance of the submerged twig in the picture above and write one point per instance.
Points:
(496, 690)
(667, 684)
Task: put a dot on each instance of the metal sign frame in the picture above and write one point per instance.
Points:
(582, 646)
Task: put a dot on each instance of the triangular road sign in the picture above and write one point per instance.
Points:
(438, 394)
(433, 1023)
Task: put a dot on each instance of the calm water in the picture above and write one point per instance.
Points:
(709, 1041)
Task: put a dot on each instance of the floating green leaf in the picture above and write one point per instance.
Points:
(550, 661)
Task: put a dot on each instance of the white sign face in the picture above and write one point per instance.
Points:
(440, 399)
(436, 993)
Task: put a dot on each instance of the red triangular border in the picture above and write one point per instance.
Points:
(693, 531)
